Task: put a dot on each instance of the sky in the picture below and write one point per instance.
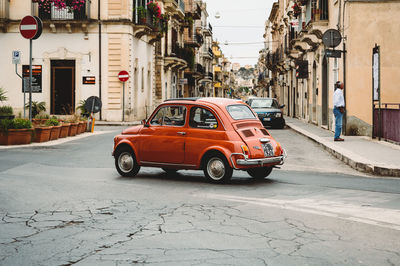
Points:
(240, 23)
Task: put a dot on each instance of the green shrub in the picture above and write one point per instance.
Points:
(6, 110)
(37, 107)
(52, 122)
(3, 96)
(17, 123)
(42, 115)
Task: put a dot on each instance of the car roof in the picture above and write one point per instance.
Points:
(202, 100)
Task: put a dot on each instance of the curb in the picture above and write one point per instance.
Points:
(355, 161)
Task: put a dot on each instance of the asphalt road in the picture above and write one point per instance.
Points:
(66, 204)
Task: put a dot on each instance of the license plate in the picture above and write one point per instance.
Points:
(267, 118)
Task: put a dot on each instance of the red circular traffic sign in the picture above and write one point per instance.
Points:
(29, 27)
(123, 76)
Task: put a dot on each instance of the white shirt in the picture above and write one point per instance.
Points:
(338, 99)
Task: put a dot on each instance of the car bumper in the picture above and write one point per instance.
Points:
(273, 121)
(276, 160)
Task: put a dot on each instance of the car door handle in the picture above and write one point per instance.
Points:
(181, 133)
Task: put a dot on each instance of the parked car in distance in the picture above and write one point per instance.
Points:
(268, 111)
(216, 135)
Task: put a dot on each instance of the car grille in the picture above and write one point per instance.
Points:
(268, 149)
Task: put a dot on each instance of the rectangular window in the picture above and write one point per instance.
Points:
(240, 112)
(202, 118)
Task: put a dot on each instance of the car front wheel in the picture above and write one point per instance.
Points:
(125, 162)
(217, 169)
(260, 172)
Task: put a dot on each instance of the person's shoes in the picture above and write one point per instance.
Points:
(338, 139)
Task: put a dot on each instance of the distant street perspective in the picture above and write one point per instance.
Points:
(199, 132)
(67, 205)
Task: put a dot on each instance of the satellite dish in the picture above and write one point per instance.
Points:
(93, 104)
(331, 38)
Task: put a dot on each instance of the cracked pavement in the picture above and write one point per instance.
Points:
(57, 211)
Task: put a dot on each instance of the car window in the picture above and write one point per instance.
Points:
(202, 118)
(261, 103)
(170, 116)
(240, 111)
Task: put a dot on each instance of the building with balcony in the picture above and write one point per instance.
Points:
(294, 36)
(90, 43)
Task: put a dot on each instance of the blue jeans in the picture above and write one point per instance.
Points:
(338, 121)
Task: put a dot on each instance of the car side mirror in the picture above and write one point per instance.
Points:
(144, 123)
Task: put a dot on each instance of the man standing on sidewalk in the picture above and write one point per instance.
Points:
(338, 109)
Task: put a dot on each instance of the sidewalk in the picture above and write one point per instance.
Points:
(360, 152)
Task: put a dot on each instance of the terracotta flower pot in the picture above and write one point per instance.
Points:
(16, 136)
(55, 132)
(64, 130)
(72, 129)
(41, 134)
(83, 125)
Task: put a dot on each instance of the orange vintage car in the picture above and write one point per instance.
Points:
(215, 135)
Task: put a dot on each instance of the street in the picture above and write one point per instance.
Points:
(67, 205)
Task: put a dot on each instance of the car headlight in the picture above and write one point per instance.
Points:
(278, 114)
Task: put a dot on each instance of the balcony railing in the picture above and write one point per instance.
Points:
(192, 8)
(199, 68)
(148, 20)
(67, 13)
(4, 9)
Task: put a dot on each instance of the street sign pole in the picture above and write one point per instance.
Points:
(123, 102)
(123, 76)
(30, 80)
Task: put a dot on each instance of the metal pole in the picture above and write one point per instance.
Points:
(344, 88)
(23, 86)
(123, 101)
(30, 80)
(379, 93)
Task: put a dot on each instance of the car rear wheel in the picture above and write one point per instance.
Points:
(125, 162)
(260, 172)
(217, 169)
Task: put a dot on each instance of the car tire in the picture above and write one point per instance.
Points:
(217, 169)
(125, 162)
(170, 171)
(260, 172)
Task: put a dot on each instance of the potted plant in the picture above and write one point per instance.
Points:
(6, 111)
(74, 120)
(141, 14)
(40, 118)
(56, 127)
(15, 131)
(64, 129)
(37, 107)
(42, 132)
(83, 124)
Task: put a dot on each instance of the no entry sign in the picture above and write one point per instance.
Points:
(30, 27)
(123, 76)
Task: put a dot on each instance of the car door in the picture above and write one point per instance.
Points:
(164, 140)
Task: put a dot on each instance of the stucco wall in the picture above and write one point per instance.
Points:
(368, 24)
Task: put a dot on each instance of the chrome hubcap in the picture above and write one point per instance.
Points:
(216, 168)
(125, 162)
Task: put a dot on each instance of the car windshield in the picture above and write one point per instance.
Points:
(264, 103)
(240, 111)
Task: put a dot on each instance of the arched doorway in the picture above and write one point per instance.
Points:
(325, 86)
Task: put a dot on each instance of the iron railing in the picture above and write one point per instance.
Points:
(4, 9)
(67, 13)
(386, 122)
(148, 19)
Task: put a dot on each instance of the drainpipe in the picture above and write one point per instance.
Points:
(99, 19)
